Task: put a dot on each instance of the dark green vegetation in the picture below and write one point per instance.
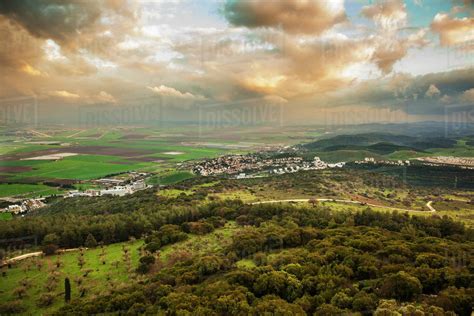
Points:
(305, 260)
(206, 255)
(426, 176)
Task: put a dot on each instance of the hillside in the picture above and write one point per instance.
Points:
(204, 246)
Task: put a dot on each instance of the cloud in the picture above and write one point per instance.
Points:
(389, 46)
(53, 19)
(275, 99)
(407, 93)
(28, 69)
(389, 14)
(387, 53)
(64, 94)
(454, 31)
(172, 92)
(297, 17)
(446, 99)
(468, 96)
(104, 97)
(432, 91)
(62, 21)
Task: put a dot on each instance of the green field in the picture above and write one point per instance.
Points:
(6, 216)
(121, 150)
(100, 277)
(202, 244)
(170, 178)
(26, 190)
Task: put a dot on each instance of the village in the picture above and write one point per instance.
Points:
(373, 161)
(113, 187)
(129, 184)
(243, 164)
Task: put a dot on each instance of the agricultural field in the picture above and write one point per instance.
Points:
(62, 157)
(26, 190)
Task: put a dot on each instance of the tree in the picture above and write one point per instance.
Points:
(20, 291)
(50, 244)
(401, 286)
(90, 241)
(273, 305)
(364, 303)
(153, 246)
(279, 283)
(45, 300)
(10, 308)
(313, 202)
(67, 290)
(145, 264)
(209, 264)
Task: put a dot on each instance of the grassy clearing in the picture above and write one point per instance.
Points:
(173, 193)
(95, 282)
(202, 245)
(170, 178)
(244, 195)
(6, 216)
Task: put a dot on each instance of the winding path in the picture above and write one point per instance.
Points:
(432, 210)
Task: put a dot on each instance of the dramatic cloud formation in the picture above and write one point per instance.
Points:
(302, 54)
(300, 16)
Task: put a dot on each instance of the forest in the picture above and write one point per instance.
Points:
(300, 260)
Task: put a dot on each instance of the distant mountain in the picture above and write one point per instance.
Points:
(380, 143)
(360, 140)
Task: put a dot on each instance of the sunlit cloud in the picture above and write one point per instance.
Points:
(172, 92)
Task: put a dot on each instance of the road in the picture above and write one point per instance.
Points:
(432, 210)
(24, 256)
(37, 254)
(428, 205)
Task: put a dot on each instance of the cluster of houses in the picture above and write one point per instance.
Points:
(463, 162)
(316, 164)
(24, 207)
(241, 164)
(373, 161)
(110, 189)
(117, 190)
(133, 182)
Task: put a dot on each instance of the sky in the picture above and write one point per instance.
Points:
(388, 60)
